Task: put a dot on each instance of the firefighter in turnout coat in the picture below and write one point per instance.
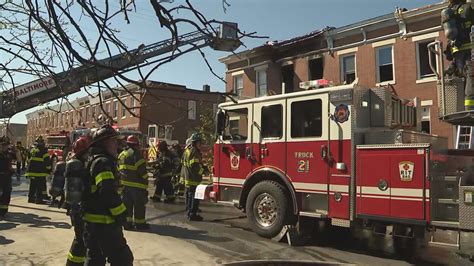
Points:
(166, 165)
(134, 178)
(39, 167)
(104, 211)
(193, 171)
(75, 173)
(6, 171)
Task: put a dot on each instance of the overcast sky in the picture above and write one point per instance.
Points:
(278, 19)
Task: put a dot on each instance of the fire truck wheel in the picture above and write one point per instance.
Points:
(268, 208)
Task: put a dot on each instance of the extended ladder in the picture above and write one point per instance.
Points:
(464, 138)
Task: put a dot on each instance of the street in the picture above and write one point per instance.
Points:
(40, 235)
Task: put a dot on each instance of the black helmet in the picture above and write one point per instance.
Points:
(104, 132)
(196, 137)
(162, 145)
(4, 140)
(39, 141)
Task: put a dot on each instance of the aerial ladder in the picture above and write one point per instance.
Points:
(46, 89)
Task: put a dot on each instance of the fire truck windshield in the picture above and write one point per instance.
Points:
(237, 127)
(56, 141)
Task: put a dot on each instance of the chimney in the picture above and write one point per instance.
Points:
(206, 88)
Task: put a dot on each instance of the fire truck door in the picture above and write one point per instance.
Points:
(236, 156)
(307, 151)
(269, 138)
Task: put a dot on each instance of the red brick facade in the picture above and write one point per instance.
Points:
(160, 103)
(403, 31)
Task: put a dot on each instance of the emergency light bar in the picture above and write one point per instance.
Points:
(314, 84)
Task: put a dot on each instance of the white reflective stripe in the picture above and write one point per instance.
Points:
(312, 191)
(339, 188)
(359, 189)
(310, 186)
(408, 192)
(411, 199)
(343, 194)
(235, 181)
(427, 191)
(375, 191)
(375, 197)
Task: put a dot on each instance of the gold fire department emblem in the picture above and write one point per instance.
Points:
(406, 170)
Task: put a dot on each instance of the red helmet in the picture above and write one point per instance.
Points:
(132, 139)
(81, 144)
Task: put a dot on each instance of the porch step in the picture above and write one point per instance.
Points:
(447, 239)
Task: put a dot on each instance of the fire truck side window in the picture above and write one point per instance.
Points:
(238, 125)
(272, 121)
(306, 119)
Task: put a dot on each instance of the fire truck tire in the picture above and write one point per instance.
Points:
(268, 208)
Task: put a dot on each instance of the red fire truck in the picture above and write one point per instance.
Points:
(345, 154)
(57, 143)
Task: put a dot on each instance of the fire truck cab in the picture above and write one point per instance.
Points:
(344, 154)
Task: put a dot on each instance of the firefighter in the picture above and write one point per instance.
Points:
(134, 178)
(21, 155)
(39, 167)
(74, 176)
(457, 20)
(165, 168)
(193, 171)
(57, 184)
(104, 211)
(6, 171)
(178, 184)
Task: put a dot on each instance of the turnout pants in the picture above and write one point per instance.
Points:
(37, 191)
(164, 183)
(135, 200)
(77, 252)
(106, 242)
(5, 193)
(192, 205)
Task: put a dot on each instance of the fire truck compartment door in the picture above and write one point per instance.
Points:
(391, 181)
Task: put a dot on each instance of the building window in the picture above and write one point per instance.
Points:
(132, 105)
(316, 68)
(107, 108)
(192, 110)
(238, 85)
(87, 114)
(348, 69)
(423, 63)
(261, 83)
(124, 110)
(115, 104)
(385, 64)
(287, 74)
(272, 121)
(306, 119)
(425, 120)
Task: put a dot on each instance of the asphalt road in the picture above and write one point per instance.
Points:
(224, 237)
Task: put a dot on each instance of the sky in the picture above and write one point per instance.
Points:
(277, 19)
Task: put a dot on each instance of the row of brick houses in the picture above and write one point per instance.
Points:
(160, 103)
(389, 50)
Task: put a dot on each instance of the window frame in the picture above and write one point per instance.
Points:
(341, 63)
(238, 91)
(115, 109)
(192, 110)
(257, 83)
(290, 120)
(281, 120)
(377, 65)
(123, 109)
(431, 77)
(249, 109)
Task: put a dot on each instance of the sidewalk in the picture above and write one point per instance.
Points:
(34, 234)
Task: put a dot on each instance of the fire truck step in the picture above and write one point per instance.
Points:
(444, 242)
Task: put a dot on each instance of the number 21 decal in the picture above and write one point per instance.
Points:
(303, 166)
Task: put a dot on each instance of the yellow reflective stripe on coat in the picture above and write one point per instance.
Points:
(36, 174)
(139, 221)
(4, 207)
(468, 102)
(145, 176)
(466, 46)
(133, 184)
(37, 159)
(75, 259)
(98, 218)
(131, 167)
(93, 188)
(103, 176)
(118, 210)
(46, 155)
(191, 183)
